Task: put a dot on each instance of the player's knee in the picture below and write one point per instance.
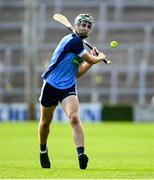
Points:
(45, 124)
(74, 119)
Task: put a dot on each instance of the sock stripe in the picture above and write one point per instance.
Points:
(80, 150)
(43, 152)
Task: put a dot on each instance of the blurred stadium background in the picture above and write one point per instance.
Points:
(28, 36)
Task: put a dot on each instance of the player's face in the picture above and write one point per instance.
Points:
(83, 29)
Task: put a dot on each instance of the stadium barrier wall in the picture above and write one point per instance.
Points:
(13, 112)
(117, 113)
(144, 113)
(19, 112)
(88, 112)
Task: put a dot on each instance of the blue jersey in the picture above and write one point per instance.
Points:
(63, 67)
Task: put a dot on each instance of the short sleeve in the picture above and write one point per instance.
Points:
(75, 45)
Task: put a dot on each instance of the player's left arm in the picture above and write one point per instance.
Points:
(85, 66)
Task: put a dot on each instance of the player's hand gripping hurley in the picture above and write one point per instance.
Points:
(63, 20)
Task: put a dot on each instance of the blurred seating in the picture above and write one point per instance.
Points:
(131, 23)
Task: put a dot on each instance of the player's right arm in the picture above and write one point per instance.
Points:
(85, 66)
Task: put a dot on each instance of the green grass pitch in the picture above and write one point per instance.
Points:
(116, 150)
